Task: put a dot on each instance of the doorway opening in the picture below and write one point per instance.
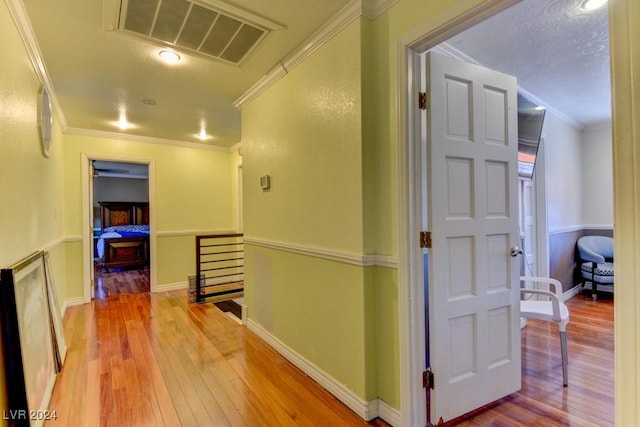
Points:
(118, 198)
(411, 158)
(120, 205)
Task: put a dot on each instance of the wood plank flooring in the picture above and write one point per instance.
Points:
(153, 359)
(543, 401)
(108, 284)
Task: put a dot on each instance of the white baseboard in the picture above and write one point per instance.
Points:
(389, 414)
(233, 317)
(70, 302)
(601, 287)
(171, 287)
(571, 292)
(245, 313)
(365, 410)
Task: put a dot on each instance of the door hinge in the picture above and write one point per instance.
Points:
(425, 239)
(427, 379)
(423, 100)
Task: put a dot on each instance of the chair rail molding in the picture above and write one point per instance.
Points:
(345, 257)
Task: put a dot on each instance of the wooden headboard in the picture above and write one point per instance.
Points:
(124, 213)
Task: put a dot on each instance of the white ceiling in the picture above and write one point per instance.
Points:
(557, 52)
(120, 170)
(95, 72)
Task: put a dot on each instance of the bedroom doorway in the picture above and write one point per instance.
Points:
(120, 228)
(117, 222)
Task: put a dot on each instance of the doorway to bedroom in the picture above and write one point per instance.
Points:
(119, 202)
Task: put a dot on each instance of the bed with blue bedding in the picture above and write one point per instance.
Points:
(124, 242)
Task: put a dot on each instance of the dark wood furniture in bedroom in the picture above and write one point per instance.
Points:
(124, 251)
(124, 213)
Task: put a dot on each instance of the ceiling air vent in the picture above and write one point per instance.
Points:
(211, 28)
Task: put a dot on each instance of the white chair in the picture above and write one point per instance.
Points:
(551, 309)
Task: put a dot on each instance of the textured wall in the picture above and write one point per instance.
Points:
(107, 189)
(563, 145)
(305, 132)
(597, 177)
(192, 192)
(31, 195)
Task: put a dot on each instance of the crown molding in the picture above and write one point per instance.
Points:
(261, 85)
(599, 125)
(23, 24)
(319, 38)
(144, 139)
(374, 8)
(446, 49)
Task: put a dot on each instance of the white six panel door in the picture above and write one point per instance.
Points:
(473, 212)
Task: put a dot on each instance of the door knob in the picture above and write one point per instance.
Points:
(515, 251)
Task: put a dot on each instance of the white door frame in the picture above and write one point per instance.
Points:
(87, 215)
(542, 226)
(410, 279)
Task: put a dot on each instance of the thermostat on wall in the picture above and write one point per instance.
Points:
(265, 182)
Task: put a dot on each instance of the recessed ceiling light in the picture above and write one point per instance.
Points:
(148, 101)
(169, 56)
(122, 122)
(593, 4)
(203, 135)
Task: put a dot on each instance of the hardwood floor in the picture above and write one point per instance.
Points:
(153, 359)
(108, 284)
(589, 398)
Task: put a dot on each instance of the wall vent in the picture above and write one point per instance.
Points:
(224, 32)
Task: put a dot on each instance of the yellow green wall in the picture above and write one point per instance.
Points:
(306, 133)
(41, 198)
(31, 198)
(192, 194)
(31, 206)
(406, 22)
(330, 176)
(321, 317)
(327, 134)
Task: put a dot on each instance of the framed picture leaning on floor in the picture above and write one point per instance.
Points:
(27, 340)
